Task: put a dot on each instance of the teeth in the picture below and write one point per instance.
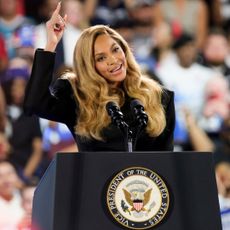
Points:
(114, 70)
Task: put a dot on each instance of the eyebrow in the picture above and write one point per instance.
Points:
(96, 54)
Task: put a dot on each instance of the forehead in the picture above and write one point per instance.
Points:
(184, 47)
(6, 167)
(103, 42)
(217, 38)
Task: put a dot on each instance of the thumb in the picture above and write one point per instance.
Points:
(65, 18)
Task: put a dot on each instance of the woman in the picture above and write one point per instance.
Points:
(104, 70)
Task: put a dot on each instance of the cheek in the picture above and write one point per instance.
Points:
(101, 68)
(124, 60)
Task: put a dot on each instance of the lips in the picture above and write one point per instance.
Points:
(116, 69)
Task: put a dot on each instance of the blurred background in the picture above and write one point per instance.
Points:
(183, 44)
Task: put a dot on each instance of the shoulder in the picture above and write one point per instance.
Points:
(167, 96)
(61, 88)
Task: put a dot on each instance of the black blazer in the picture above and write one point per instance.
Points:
(56, 103)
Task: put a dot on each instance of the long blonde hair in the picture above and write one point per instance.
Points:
(93, 92)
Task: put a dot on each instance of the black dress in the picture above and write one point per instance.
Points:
(57, 103)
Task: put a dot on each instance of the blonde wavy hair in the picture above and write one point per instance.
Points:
(93, 92)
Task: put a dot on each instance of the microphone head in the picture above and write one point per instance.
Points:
(136, 104)
(116, 115)
(110, 107)
(138, 111)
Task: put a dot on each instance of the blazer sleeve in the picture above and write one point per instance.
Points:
(39, 97)
(165, 141)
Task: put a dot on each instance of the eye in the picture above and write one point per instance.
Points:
(116, 49)
(100, 59)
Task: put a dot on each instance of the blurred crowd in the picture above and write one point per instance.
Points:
(183, 44)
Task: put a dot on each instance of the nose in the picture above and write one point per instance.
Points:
(111, 60)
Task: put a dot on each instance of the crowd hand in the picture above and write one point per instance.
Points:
(55, 28)
(220, 185)
(189, 119)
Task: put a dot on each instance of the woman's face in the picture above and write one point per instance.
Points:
(8, 8)
(187, 54)
(216, 49)
(8, 179)
(17, 90)
(110, 60)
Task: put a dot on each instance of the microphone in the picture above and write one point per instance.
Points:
(138, 111)
(116, 115)
(118, 120)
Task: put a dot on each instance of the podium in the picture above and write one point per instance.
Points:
(73, 193)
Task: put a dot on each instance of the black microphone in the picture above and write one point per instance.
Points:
(138, 111)
(117, 116)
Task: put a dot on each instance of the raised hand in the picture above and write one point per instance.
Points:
(55, 28)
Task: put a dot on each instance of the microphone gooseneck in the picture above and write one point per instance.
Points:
(117, 118)
(132, 133)
(140, 117)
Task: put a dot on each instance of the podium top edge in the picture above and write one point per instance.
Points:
(136, 152)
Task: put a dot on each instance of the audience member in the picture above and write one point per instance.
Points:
(125, 28)
(23, 132)
(27, 194)
(223, 185)
(76, 17)
(217, 100)
(216, 53)
(198, 138)
(25, 42)
(188, 80)
(57, 138)
(10, 199)
(184, 16)
(162, 40)
(10, 22)
(141, 13)
(107, 11)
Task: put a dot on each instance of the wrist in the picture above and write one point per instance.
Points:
(50, 47)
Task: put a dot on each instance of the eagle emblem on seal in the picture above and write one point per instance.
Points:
(137, 196)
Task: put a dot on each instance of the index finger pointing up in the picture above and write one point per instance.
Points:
(57, 10)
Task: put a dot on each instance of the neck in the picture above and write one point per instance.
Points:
(8, 17)
(7, 197)
(186, 64)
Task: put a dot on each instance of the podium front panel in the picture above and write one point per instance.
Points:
(76, 185)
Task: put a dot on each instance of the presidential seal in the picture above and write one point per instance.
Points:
(138, 198)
